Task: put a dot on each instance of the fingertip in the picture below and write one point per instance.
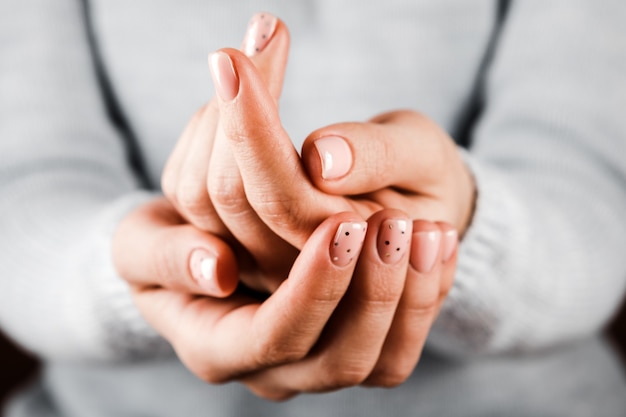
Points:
(343, 235)
(450, 241)
(214, 270)
(246, 103)
(347, 242)
(265, 32)
(224, 74)
(425, 247)
(267, 44)
(391, 231)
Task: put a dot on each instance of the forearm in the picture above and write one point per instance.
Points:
(543, 259)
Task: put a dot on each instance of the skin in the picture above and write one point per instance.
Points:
(323, 327)
(235, 172)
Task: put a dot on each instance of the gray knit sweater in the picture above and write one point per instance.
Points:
(93, 97)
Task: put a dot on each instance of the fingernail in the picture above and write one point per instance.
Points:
(394, 237)
(348, 242)
(259, 33)
(450, 241)
(424, 250)
(224, 76)
(202, 265)
(335, 155)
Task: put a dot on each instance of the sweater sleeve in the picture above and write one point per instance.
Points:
(65, 182)
(544, 259)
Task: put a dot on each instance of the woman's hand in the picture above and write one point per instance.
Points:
(356, 307)
(399, 159)
(264, 258)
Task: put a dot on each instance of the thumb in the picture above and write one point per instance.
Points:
(401, 149)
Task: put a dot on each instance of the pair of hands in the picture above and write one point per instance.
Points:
(242, 204)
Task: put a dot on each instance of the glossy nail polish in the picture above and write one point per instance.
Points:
(259, 33)
(335, 155)
(202, 265)
(394, 238)
(224, 76)
(424, 250)
(450, 241)
(348, 242)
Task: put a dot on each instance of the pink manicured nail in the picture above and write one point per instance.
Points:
(202, 265)
(450, 241)
(348, 242)
(424, 250)
(335, 155)
(394, 238)
(259, 33)
(224, 76)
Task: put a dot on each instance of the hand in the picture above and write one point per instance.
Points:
(376, 335)
(264, 258)
(399, 159)
(333, 323)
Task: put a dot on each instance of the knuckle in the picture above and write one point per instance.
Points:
(192, 196)
(389, 378)
(412, 119)
(278, 210)
(349, 377)
(227, 193)
(211, 376)
(206, 371)
(271, 351)
(347, 373)
(329, 294)
(269, 394)
(382, 295)
(425, 308)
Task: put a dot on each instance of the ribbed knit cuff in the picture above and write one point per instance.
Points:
(125, 334)
(469, 320)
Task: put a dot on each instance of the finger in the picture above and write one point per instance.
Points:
(173, 166)
(192, 197)
(417, 308)
(224, 338)
(353, 339)
(187, 167)
(274, 181)
(449, 256)
(267, 43)
(152, 247)
(401, 149)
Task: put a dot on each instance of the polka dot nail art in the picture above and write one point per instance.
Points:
(260, 31)
(347, 243)
(394, 238)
